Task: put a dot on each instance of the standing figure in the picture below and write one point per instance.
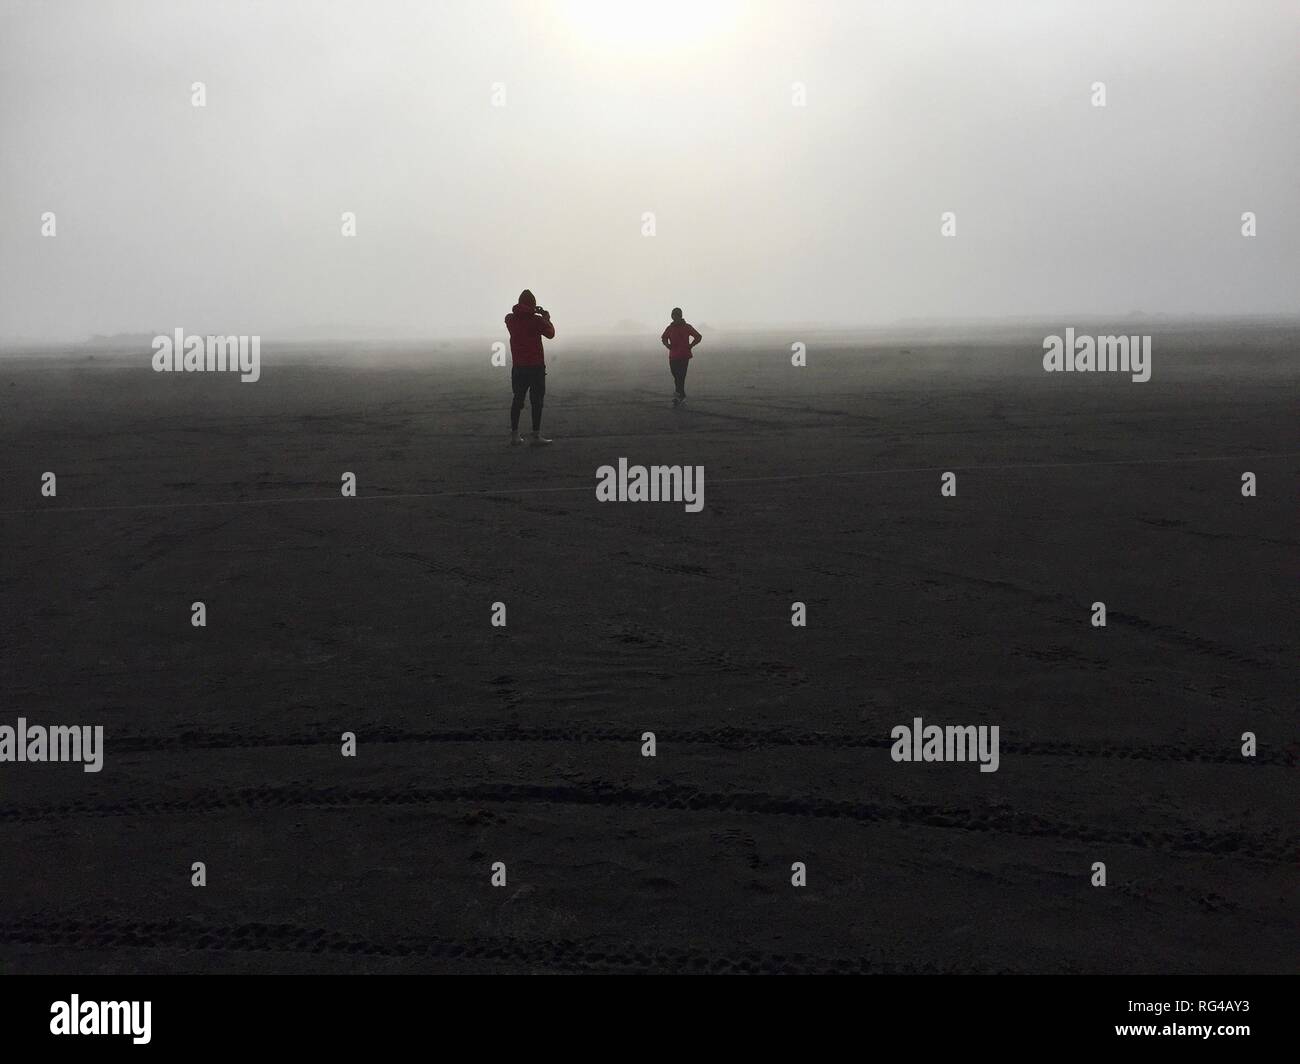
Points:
(528, 324)
(680, 338)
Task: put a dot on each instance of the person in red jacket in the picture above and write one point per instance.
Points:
(528, 324)
(680, 338)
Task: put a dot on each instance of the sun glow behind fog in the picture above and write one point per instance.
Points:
(631, 31)
(489, 145)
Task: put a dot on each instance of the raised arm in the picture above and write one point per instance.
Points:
(695, 336)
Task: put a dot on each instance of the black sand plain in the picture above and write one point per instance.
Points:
(523, 744)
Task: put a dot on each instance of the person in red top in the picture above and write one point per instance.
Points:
(528, 324)
(680, 338)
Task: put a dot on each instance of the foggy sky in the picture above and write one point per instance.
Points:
(227, 218)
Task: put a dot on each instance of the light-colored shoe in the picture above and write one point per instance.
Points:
(538, 440)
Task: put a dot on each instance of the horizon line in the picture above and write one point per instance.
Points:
(358, 335)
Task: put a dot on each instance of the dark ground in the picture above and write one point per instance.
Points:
(522, 745)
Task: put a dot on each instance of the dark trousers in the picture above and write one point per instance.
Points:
(530, 381)
(679, 366)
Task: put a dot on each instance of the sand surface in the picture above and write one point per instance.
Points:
(523, 744)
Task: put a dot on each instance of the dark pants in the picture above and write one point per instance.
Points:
(679, 366)
(531, 381)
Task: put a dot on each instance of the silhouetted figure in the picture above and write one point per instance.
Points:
(680, 338)
(528, 323)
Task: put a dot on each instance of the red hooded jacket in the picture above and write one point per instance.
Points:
(526, 331)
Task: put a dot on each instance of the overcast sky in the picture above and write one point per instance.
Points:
(226, 218)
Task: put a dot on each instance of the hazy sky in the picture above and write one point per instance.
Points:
(226, 218)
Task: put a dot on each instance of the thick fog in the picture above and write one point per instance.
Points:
(485, 147)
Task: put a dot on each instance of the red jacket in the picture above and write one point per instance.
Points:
(679, 336)
(526, 332)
